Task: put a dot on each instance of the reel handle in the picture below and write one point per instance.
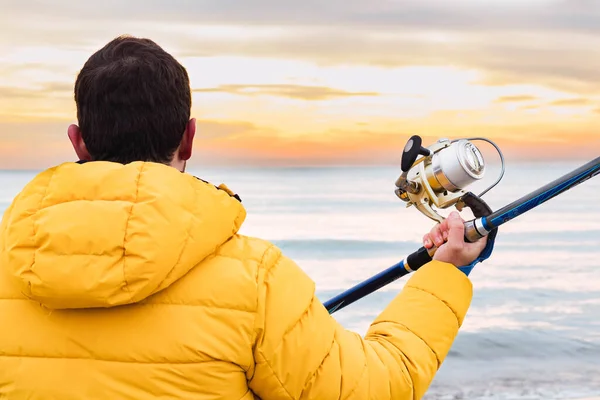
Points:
(411, 151)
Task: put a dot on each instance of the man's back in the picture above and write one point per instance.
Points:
(131, 282)
(123, 277)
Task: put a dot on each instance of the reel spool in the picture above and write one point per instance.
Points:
(440, 177)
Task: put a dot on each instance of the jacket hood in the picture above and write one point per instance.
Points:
(103, 234)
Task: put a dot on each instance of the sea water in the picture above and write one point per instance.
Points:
(533, 329)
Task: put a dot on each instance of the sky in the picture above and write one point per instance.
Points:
(315, 82)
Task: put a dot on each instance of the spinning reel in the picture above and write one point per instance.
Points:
(439, 178)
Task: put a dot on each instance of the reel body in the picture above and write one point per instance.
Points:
(440, 177)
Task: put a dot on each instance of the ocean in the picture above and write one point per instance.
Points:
(533, 329)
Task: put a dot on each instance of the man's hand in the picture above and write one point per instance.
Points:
(448, 237)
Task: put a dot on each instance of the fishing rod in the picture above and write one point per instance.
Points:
(439, 178)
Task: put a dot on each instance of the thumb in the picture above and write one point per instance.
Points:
(456, 228)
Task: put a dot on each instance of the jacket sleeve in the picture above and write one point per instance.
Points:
(301, 352)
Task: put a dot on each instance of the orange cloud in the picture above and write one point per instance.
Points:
(208, 129)
(571, 102)
(43, 91)
(513, 99)
(284, 90)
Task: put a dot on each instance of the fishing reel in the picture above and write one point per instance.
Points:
(440, 177)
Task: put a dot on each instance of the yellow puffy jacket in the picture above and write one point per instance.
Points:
(132, 282)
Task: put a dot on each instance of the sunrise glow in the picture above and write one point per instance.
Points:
(345, 87)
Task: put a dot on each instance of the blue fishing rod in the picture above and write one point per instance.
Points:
(439, 178)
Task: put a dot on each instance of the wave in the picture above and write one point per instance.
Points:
(504, 364)
(578, 241)
(539, 345)
(343, 248)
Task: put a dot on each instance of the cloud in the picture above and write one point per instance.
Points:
(460, 15)
(571, 102)
(505, 58)
(544, 42)
(211, 129)
(46, 90)
(10, 69)
(285, 90)
(514, 99)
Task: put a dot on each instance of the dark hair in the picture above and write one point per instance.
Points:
(133, 102)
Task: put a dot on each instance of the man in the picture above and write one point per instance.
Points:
(121, 277)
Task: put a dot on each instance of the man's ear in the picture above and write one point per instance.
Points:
(76, 139)
(187, 142)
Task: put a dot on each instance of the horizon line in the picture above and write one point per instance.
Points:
(192, 167)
